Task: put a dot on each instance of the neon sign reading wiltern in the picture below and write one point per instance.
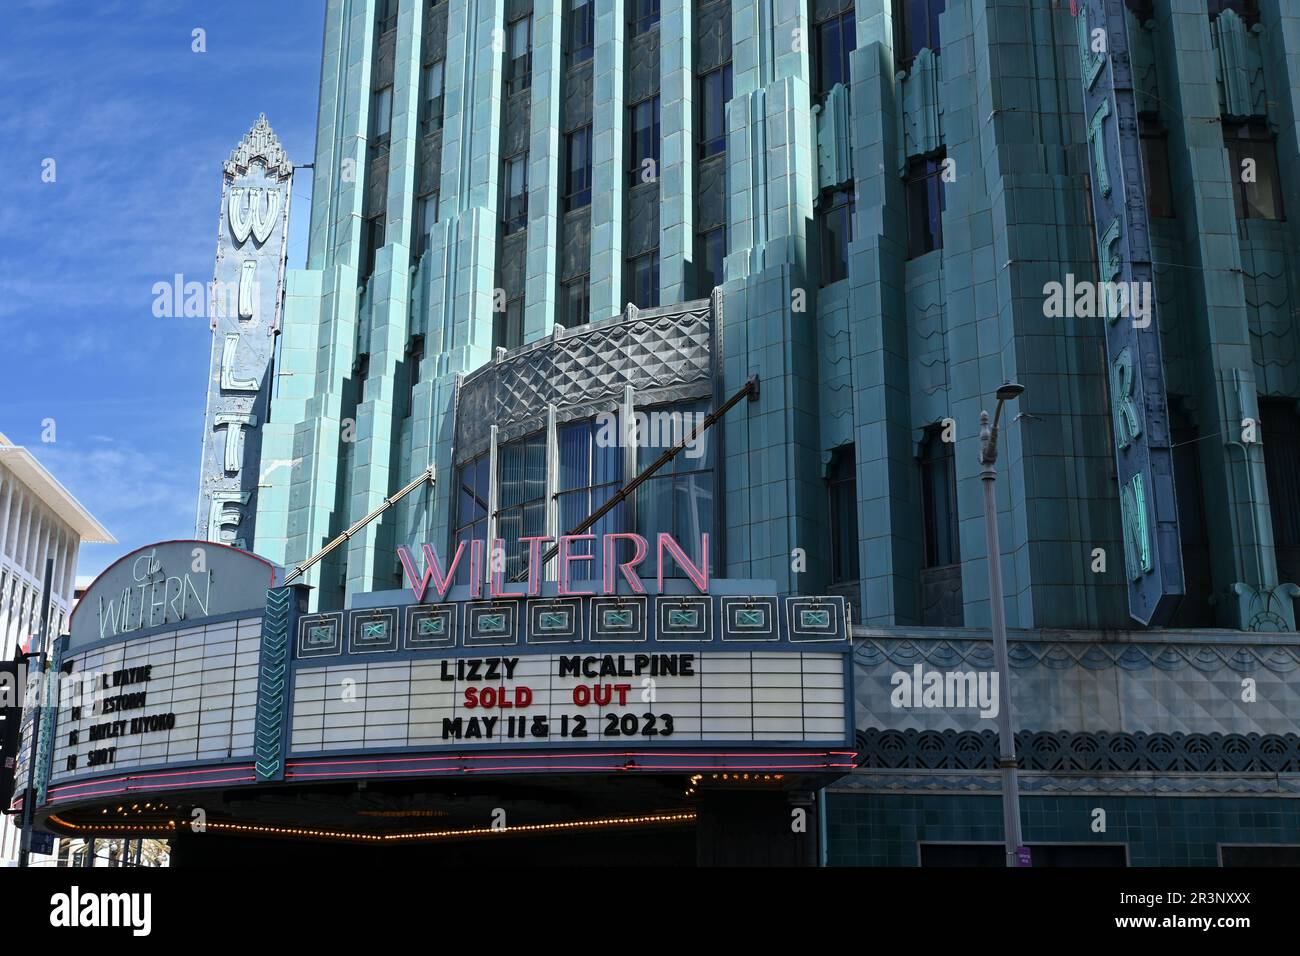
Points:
(611, 566)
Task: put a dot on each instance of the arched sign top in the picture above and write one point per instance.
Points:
(169, 583)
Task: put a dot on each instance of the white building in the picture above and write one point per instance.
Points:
(39, 519)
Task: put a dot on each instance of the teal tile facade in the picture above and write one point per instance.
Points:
(908, 343)
(885, 829)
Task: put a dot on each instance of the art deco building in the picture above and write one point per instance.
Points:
(526, 215)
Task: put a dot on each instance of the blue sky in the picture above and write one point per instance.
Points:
(138, 126)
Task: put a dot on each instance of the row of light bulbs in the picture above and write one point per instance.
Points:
(683, 817)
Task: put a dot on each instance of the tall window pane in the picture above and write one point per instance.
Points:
(582, 30)
(678, 500)
(519, 67)
(521, 491)
(578, 180)
(643, 142)
(925, 205)
(842, 489)
(939, 501)
(715, 93)
(1252, 153)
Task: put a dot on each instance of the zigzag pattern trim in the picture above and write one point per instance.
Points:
(271, 680)
(1208, 658)
(1067, 751)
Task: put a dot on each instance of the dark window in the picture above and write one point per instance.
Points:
(521, 495)
(1195, 609)
(643, 142)
(711, 249)
(1284, 855)
(842, 486)
(472, 494)
(835, 226)
(372, 240)
(916, 23)
(925, 205)
(591, 472)
(519, 51)
(643, 280)
(582, 30)
(715, 92)
(678, 499)
(381, 118)
(577, 192)
(514, 185)
(414, 356)
(1248, 10)
(1155, 161)
(835, 39)
(1143, 10)
(508, 325)
(1280, 425)
(386, 15)
(575, 301)
(939, 500)
(426, 214)
(1252, 164)
(644, 15)
(431, 106)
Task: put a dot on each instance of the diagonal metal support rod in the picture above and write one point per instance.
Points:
(749, 389)
(426, 475)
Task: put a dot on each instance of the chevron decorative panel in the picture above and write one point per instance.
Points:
(271, 680)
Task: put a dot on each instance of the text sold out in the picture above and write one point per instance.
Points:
(508, 698)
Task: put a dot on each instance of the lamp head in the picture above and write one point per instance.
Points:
(1009, 390)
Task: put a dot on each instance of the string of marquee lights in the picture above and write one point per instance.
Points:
(685, 816)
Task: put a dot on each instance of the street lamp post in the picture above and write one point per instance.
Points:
(1006, 737)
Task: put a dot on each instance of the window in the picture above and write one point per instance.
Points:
(678, 499)
(472, 495)
(414, 356)
(577, 186)
(514, 212)
(372, 240)
(519, 68)
(835, 225)
(925, 205)
(381, 118)
(715, 92)
(582, 30)
(521, 493)
(643, 280)
(508, 325)
(834, 40)
(1281, 427)
(426, 214)
(575, 301)
(1248, 10)
(939, 500)
(1252, 164)
(386, 16)
(431, 107)
(842, 487)
(711, 249)
(591, 472)
(644, 15)
(1143, 10)
(917, 26)
(643, 142)
(1155, 161)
